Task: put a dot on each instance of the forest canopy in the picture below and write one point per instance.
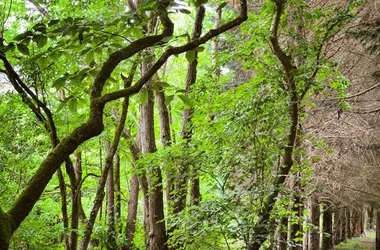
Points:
(197, 124)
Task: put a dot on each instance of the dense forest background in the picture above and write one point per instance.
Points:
(197, 124)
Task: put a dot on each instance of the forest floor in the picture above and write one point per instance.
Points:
(366, 242)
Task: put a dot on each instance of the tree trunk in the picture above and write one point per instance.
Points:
(348, 223)
(117, 189)
(132, 212)
(164, 119)
(327, 224)
(6, 230)
(357, 223)
(343, 221)
(107, 166)
(371, 218)
(111, 229)
(157, 231)
(296, 225)
(314, 220)
(283, 233)
(336, 226)
(65, 218)
(378, 230)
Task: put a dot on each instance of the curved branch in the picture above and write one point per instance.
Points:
(175, 51)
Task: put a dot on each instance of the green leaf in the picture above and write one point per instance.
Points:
(186, 100)
(63, 103)
(90, 57)
(43, 61)
(23, 36)
(164, 84)
(169, 99)
(59, 83)
(136, 31)
(23, 49)
(144, 97)
(41, 27)
(185, 11)
(221, 6)
(42, 41)
(190, 56)
(53, 22)
(200, 49)
(10, 47)
(73, 105)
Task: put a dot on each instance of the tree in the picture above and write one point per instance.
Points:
(20, 209)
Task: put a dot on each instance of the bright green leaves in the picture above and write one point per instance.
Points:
(137, 32)
(90, 57)
(73, 105)
(40, 40)
(186, 101)
(190, 56)
(23, 49)
(43, 62)
(59, 83)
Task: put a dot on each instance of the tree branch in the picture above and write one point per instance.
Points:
(175, 51)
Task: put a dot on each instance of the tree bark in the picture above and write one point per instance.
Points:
(132, 212)
(314, 220)
(296, 236)
(117, 189)
(133, 197)
(357, 223)
(327, 224)
(283, 233)
(348, 224)
(183, 172)
(111, 229)
(336, 228)
(343, 221)
(157, 237)
(377, 230)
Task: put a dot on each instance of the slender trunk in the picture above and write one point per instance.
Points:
(327, 228)
(65, 219)
(117, 189)
(107, 166)
(132, 212)
(283, 233)
(314, 220)
(357, 223)
(296, 225)
(157, 231)
(111, 230)
(164, 118)
(187, 130)
(371, 218)
(262, 226)
(134, 195)
(336, 229)
(348, 224)
(343, 221)
(378, 230)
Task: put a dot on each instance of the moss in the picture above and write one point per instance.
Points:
(5, 230)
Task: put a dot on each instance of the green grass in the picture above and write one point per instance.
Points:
(363, 243)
